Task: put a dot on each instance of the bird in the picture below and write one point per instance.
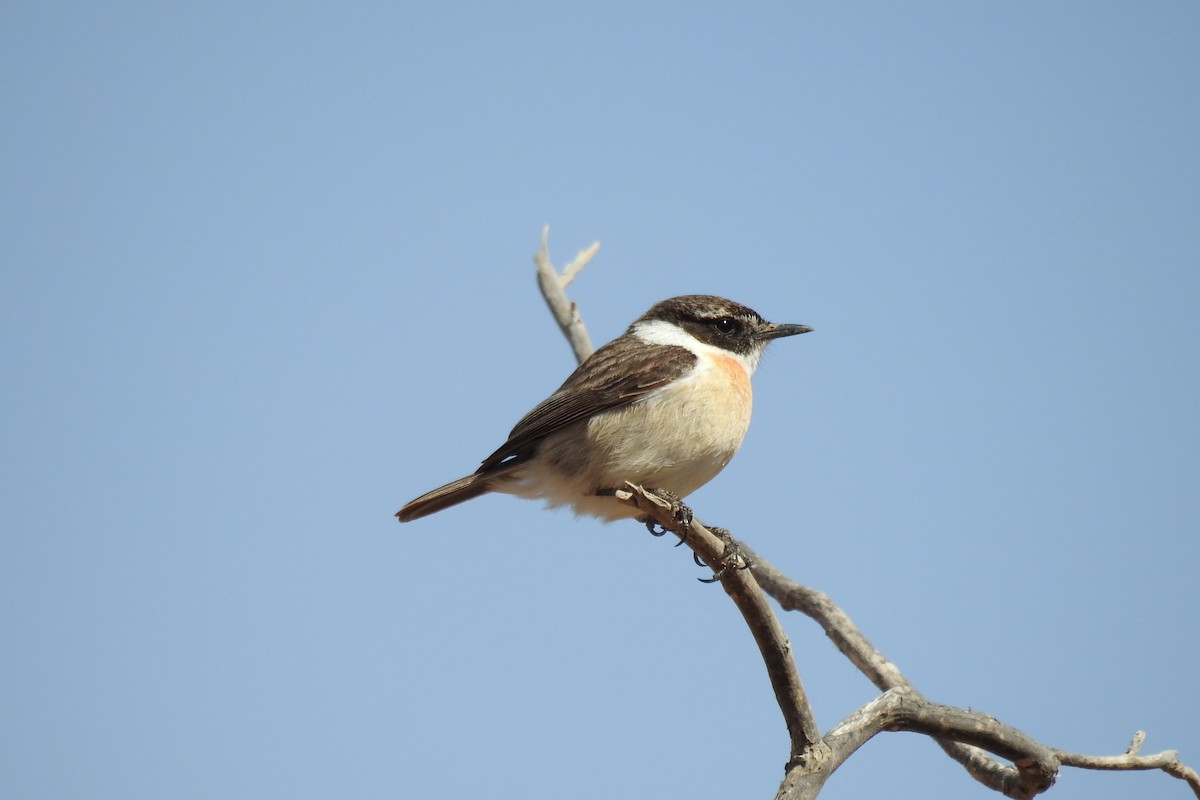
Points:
(665, 405)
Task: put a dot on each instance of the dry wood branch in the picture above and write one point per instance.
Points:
(740, 585)
(904, 709)
(850, 641)
(1007, 779)
(1130, 760)
(966, 736)
(837, 625)
(552, 285)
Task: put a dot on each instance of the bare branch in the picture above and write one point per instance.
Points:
(1125, 761)
(579, 262)
(742, 588)
(1185, 773)
(850, 641)
(1009, 780)
(1130, 760)
(552, 285)
(837, 625)
(904, 709)
(966, 736)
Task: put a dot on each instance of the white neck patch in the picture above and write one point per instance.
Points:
(656, 331)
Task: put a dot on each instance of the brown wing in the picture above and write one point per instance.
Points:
(613, 376)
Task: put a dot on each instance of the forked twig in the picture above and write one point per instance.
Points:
(965, 735)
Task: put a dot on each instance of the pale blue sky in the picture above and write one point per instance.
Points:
(266, 276)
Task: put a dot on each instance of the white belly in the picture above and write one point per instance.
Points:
(677, 439)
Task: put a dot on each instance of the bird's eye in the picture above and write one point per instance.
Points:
(725, 324)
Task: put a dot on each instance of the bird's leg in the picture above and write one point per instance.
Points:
(682, 514)
(646, 520)
(732, 556)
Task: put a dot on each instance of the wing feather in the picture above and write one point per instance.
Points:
(613, 376)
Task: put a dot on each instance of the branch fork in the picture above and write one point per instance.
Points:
(969, 737)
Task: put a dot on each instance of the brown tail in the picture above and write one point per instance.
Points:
(451, 494)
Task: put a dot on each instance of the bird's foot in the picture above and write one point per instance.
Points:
(732, 557)
(682, 514)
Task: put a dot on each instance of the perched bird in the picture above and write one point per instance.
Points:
(664, 405)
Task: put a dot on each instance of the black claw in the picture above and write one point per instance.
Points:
(654, 528)
(682, 514)
(731, 557)
(683, 518)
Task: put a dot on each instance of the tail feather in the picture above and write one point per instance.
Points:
(451, 494)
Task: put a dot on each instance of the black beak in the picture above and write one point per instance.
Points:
(777, 330)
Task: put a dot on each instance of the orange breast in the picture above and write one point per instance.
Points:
(735, 373)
